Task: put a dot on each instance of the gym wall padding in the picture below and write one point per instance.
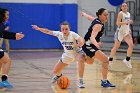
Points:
(23, 15)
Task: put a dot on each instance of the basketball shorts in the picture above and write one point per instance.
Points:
(120, 35)
(89, 49)
(1, 53)
(69, 58)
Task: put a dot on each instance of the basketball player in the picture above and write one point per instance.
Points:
(6, 41)
(5, 61)
(92, 42)
(123, 33)
(72, 51)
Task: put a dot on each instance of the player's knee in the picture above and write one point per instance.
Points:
(131, 45)
(106, 60)
(81, 59)
(116, 47)
(5, 61)
(105, 65)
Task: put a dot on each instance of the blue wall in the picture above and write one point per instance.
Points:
(22, 15)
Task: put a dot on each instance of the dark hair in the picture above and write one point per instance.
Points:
(65, 23)
(4, 10)
(2, 14)
(100, 11)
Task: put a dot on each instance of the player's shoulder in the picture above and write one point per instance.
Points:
(57, 32)
(72, 32)
(128, 13)
(121, 12)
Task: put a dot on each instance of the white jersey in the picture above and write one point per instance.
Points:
(68, 43)
(125, 18)
(123, 30)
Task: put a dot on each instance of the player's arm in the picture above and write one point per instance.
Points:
(80, 42)
(95, 30)
(87, 16)
(43, 30)
(119, 20)
(10, 35)
(7, 28)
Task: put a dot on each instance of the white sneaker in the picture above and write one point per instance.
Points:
(55, 78)
(81, 83)
(128, 63)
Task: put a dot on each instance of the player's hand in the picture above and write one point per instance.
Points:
(82, 13)
(99, 45)
(19, 36)
(130, 22)
(35, 27)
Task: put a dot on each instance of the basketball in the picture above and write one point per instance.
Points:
(63, 82)
(115, 2)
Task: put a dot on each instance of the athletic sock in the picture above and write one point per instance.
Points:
(110, 59)
(80, 78)
(127, 58)
(4, 77)
(59, 75)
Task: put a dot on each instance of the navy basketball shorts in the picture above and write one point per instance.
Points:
(90, 50)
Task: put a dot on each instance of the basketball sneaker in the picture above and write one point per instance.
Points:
(106, 83)
(81, 83)
(128, 63)
(6, 84)
(55, 78)
(1, 85)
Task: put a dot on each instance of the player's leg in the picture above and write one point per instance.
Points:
(0, 68)
(118, 37)
(81, 66)
(102, 57)
(58, 71)
(114, 49)
(7, 45)
(1, 41)
(5, 60)
(62, 63)
(129, 41)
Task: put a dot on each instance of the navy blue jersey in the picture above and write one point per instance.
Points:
(99, 35)
(88, 47)
(5, 34)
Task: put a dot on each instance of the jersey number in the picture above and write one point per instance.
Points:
(69, 47)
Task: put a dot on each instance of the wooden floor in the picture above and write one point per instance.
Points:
(31, 72)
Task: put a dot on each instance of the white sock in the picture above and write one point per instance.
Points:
(80, 78)
(59, 74)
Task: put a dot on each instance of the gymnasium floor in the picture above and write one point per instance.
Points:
(31, 72)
